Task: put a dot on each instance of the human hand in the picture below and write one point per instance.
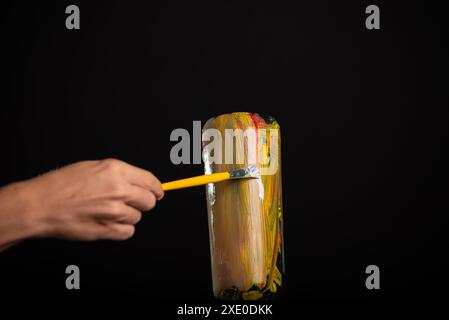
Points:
(89, 200)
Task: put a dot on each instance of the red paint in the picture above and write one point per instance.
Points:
(256, 119)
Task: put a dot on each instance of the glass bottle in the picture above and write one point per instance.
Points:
(245, 215)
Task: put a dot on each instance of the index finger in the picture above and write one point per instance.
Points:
(144, 179)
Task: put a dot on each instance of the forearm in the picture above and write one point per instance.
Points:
(15, 221)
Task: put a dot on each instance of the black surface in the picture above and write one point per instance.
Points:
(364, 127)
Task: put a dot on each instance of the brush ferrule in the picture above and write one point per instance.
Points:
(248, 172)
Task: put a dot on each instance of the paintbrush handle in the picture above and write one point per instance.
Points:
(195, 181)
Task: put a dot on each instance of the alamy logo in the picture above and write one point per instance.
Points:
(372, 22)
(73, 280)
(220, 150)
(73, 20)
(373, 280)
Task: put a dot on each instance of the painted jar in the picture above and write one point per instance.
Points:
(245, 216)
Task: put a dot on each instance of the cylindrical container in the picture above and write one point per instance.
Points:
(245, 215)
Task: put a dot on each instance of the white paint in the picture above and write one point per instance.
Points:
(261, 188)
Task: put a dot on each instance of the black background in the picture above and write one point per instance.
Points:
(363, 119)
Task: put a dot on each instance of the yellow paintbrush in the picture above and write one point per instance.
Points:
(249, 172)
